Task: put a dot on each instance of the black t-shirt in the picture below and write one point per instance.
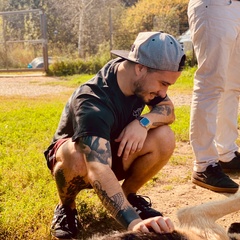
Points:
(99, 108)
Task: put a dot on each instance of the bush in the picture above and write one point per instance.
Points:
(191, 60)
(78, 66)
(17, 55)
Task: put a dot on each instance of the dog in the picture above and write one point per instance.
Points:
(195, 223)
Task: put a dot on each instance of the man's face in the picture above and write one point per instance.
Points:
(153, 84)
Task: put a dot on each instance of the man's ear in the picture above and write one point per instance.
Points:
(140, 69)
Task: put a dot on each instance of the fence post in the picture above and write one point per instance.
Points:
(44, 36)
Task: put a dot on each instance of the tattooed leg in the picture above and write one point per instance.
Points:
(70, 173)
(68, 190)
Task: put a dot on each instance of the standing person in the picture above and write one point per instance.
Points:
(215, 32)
(103, 137)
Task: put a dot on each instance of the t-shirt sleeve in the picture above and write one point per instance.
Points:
(91, 117)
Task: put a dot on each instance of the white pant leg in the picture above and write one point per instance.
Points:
(211, 25)
(227, 125)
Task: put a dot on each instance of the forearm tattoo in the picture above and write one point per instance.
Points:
(96, 149)
(114, 205)
(162, 110)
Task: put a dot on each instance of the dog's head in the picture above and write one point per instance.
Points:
(175, 235)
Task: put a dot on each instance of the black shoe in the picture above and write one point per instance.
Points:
(215, 179)
(233, 165)
(65, 224)
(142, 207)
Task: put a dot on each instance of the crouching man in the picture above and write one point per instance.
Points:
(103, 136)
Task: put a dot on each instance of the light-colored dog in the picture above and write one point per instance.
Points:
(196, 223)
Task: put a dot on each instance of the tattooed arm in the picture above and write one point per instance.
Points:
(98, 160)
(161, 114)
(97, 153)
(133, 136)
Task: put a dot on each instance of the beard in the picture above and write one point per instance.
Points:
(140, 93)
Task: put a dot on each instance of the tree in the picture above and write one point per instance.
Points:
(61, 27)
(151, 15)
(19, 26)
(88, 21)
(85, 25)
(3, 5)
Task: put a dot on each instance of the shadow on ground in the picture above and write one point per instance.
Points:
(102, 226)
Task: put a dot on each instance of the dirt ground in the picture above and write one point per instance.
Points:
(185, 193)
(173, 189)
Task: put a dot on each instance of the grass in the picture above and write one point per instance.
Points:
(26, 187)
(184, 84)
(76, 79)
(71, 81)
(27, 190)
(181, 124)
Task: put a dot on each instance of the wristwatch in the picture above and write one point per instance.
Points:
(144, 122)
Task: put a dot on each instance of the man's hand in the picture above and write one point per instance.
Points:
(157, 224)
(131, 139)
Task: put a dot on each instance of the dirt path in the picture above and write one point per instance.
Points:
(29, 86)
(173, 189)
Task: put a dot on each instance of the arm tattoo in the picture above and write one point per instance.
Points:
(162, 110)
(114, 205)
(96, 149)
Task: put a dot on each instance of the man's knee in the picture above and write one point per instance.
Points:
(69, 157)
(163, 138)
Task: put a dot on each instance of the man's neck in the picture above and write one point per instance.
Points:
(124, 76)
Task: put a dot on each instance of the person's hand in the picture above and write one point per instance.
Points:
(131, 139)
(157, 224)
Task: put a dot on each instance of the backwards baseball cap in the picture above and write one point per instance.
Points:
(155, 50)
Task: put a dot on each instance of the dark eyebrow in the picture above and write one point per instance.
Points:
(167, 83)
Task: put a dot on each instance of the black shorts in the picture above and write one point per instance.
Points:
(117, 165)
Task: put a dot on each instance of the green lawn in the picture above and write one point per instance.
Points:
(27, 191)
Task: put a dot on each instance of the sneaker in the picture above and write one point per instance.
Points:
(215, 179)
(142, 206)
(65, 224)
(234, 164)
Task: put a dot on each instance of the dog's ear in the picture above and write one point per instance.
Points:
(234, 231)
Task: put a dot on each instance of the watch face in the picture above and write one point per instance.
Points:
(145, 122)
